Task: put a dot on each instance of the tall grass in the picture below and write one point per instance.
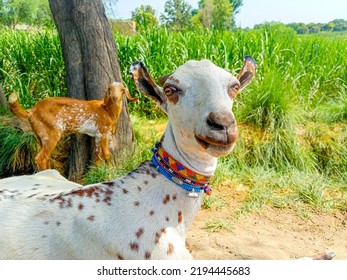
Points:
(32, 65)
(312, 68)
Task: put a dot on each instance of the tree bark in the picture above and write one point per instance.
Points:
(3, 101)
(91, 63)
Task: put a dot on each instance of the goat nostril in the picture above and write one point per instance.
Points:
(220, 121)
(212, 124)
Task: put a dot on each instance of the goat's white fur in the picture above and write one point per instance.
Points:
(139, 216)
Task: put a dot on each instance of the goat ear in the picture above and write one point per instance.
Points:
(247, 72)
(145, 83)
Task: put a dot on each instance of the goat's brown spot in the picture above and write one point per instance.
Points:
(145, 182)
(139, 189)
(163, 230)
(173, 98)
(134, 246)
(61, 202)
(140, 171)
(58, 223)
(108, 191)
(147, 255)
(167, 218)
(139, 233)
(189, 246)
(174, 197)
(120, 257)
(170, 249)
(157, 237)
(180, 217)
(136, 203)
(78, 192)
(125, 191)
(110, 184)
(80, 206)
(166, 199)
(90, 191)
(151, 213)
(91, 218)
(69, 202)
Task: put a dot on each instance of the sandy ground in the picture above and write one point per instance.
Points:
(269, 234)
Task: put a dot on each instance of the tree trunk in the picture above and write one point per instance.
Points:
(3, 101)
(91, 63)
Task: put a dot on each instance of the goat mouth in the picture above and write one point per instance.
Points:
(209, 142)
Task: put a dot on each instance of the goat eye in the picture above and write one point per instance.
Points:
(170, 90)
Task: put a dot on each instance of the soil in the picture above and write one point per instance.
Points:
(268, 234)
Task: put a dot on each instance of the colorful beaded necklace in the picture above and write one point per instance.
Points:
(179, 174)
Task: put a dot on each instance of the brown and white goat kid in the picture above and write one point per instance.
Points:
(53, 117)
(146, 213)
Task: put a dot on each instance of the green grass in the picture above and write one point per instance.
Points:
(32, 65)
(217, 226)
(213, 202)
(18, 150)
(303, 191)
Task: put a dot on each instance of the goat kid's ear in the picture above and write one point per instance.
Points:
(145, 83)
(129, 97)
(247, 72)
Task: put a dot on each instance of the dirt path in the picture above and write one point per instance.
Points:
(270, 234)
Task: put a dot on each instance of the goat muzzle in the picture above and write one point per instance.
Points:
(221, 133)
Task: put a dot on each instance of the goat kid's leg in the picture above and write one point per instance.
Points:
(42, 160)
(43, 157)
(102, 151)
(98, 151)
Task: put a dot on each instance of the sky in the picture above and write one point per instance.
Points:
(258, 11)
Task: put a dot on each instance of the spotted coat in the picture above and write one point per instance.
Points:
(75, 222)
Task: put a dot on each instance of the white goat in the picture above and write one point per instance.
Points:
(146, 213)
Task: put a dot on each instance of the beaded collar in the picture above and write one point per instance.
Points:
(179, 174)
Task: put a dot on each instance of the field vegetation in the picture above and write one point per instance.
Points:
(292, 150)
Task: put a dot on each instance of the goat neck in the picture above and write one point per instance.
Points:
(199, 162)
